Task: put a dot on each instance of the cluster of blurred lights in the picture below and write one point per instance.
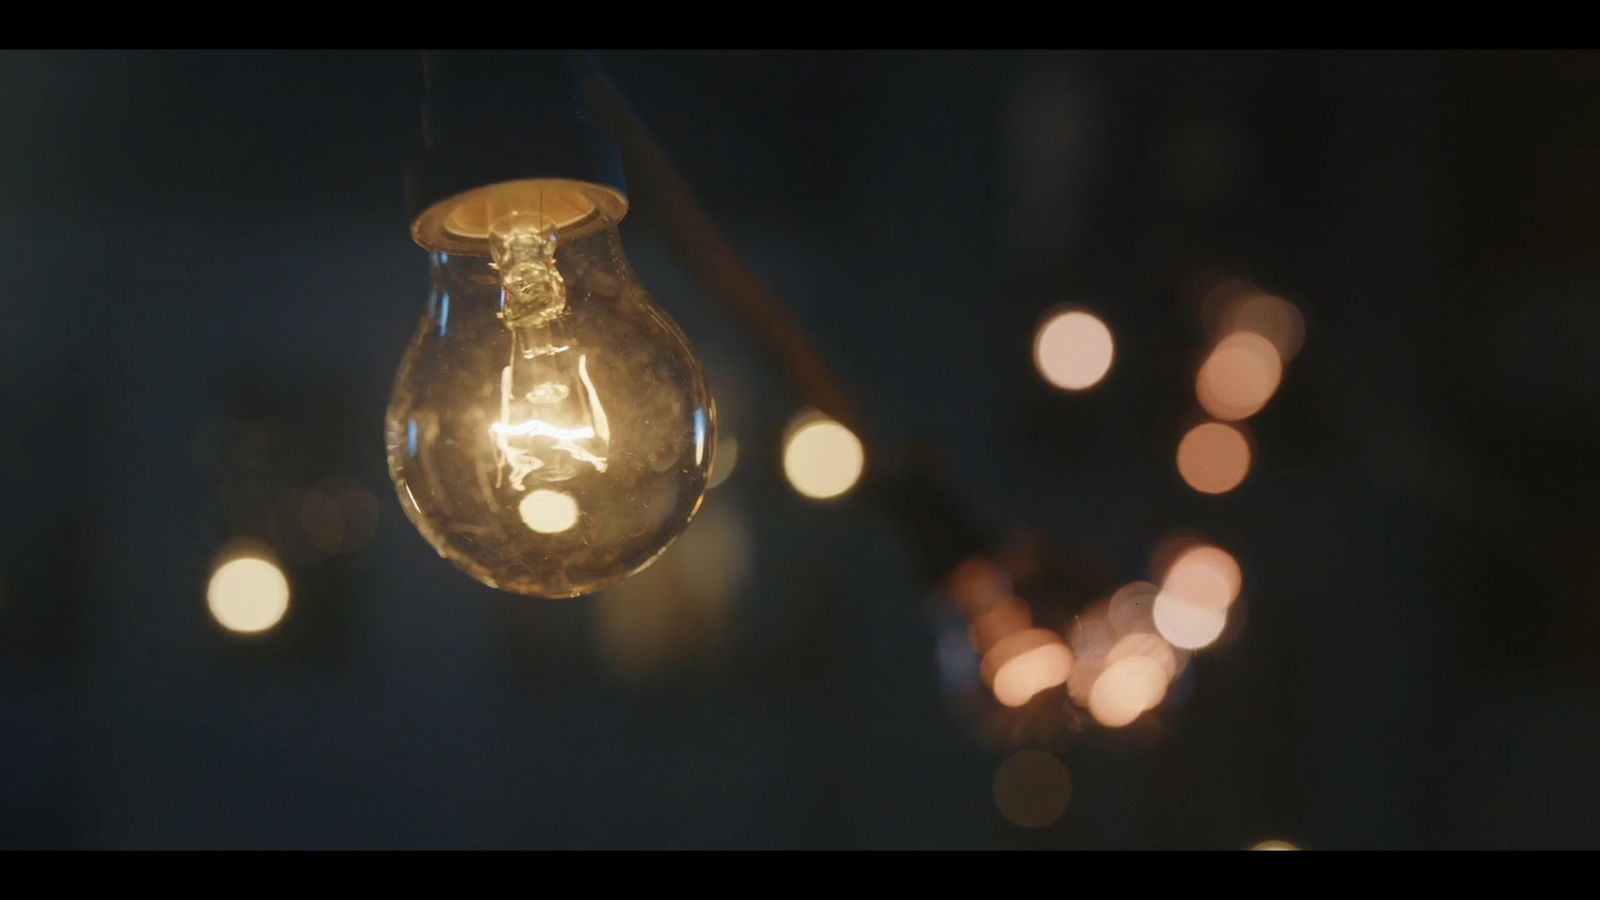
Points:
(1121, 654)
(253, 463)
(1192, 608)
(1257, 334)
(249, 593)
(1116, 662)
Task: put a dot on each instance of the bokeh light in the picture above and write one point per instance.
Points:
(1234, 304)
(1022, 665)
(1151, 646)
(339, 515)
(1205, 575)
(1187, 625)
(821, 458)
(248, 593)
(1126, 690)
(1093, 634)
(978, 586)
(1274, 845)
(1274, 318)
(1169, 548)
(1239, 376)
(548, 512)
(1091, 639)
(1073, 350)
(230, 448)
(726, 457)
(1008, 617)
(1130, 607)
(1032, 788)
(1192, 609)
(1213, 458)
(676, 612)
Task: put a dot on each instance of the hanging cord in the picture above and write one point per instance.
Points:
(935, 518)
(664, 199)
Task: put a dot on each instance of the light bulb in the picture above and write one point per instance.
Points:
(550, 431)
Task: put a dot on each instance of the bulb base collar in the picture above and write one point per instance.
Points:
(499, 117)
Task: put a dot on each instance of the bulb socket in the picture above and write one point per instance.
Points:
(497, 116)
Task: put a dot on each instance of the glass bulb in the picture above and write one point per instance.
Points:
(550, 431)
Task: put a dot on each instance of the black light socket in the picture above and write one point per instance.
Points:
(492, 116)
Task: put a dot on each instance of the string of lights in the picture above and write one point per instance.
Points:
(1255, 335)
(756, 449)
(1115, 656)
(1031, 667)
(516, 445)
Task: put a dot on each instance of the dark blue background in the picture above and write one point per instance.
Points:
(191, 236)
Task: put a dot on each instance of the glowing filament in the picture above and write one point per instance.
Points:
(528, 429)
(551, 419)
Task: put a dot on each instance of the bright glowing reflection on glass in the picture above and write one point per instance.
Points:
(548, 512)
